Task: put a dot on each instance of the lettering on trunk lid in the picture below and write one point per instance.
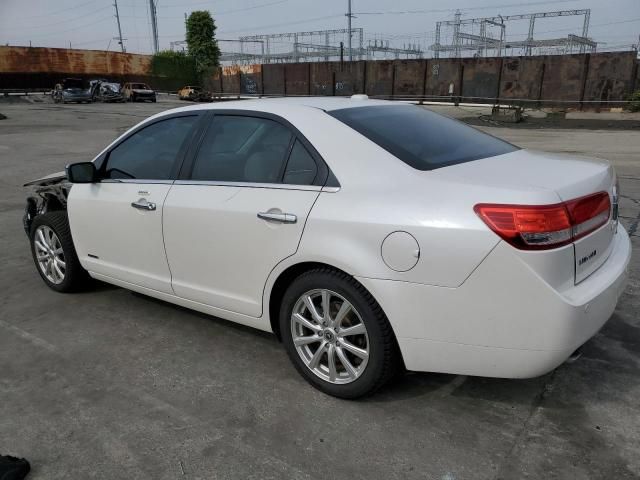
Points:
(586, 258)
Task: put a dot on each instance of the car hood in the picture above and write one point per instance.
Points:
(50, 179)
(140, 90)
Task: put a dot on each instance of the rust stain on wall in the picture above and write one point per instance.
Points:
(81, 62)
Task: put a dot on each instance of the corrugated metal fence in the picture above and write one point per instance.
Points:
(599, 79)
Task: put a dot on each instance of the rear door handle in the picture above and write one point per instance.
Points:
(278, 217)
(143, 204)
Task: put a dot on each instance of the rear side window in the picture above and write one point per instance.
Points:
(301, 168)
(421, 138)
(243, 149)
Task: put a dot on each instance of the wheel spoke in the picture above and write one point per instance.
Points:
(358, 352)
(59, 273)
(43, 241)
(315, 360)
(300, 341)
(41, 257)
(326, 305)
(344, 309)
(355, 330)
(312, 309)
(61, 263)
(331, 355)
(303, 321)
(351, 371)
(40, 245)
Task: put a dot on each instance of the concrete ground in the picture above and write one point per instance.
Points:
(114, 385)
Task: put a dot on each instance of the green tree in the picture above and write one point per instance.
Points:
(201, 40)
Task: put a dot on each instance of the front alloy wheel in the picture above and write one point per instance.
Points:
(330, 336)
(54, 253)
(49, 254)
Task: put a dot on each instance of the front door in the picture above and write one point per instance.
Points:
(116, 223)
(243, 210)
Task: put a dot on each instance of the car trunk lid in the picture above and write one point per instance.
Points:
(570, 177)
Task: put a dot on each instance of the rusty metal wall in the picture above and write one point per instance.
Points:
(618, 81)
(380, 78)
(297, 78)
(440, 74)
(273, 79)
(481, 77)
(25, 67)
(61, 60)
(409, 77)
(522, 77)
(564, 79)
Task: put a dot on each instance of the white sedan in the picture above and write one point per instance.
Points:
(369, 236)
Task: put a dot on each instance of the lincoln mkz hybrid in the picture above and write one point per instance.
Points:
(371, 237)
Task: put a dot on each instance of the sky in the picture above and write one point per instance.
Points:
(92, 24)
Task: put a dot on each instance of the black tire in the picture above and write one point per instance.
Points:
(75, 277)
(384, 356)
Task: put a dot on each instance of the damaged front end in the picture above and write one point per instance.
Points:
(48, 194)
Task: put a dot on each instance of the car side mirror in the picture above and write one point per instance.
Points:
(82, 172)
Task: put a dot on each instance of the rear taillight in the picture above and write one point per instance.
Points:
(538, 227)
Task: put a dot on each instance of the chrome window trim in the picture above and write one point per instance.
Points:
(136, 180)
(274, 186)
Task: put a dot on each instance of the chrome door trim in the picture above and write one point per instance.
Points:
(136, 180)
(276, 186)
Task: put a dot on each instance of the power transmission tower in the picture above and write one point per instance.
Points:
(154, 24)
(115, 4)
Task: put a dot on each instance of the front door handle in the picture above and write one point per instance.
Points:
(143, 204)
(278, 217)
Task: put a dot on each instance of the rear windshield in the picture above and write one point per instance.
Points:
(421, 138)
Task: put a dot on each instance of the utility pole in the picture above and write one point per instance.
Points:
(350, 33)
(154, 24)
(115, 4)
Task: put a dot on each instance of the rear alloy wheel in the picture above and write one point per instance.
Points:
(337, 335)
(54, 254)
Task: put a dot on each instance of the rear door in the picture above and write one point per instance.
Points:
(239, 210)
(116, 223)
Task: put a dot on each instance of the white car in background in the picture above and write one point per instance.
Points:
(368, 235)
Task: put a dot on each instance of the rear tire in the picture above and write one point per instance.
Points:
(349, 353)
(54, 255)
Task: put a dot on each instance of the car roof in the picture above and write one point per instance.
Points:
(281, 104)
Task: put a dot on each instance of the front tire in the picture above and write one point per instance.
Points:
(54, 255)
(336, 334)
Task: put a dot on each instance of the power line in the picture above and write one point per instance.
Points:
(266, 27)
(50, 34)
(444, 10)
(63, 21)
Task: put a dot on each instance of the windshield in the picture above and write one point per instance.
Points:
(139, 86)
(421, 138)
(74, 83)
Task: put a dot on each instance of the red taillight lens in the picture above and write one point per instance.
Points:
(531, 227)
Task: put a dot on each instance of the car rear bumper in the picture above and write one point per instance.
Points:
(504, 320)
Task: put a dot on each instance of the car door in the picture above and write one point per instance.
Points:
(116, 223)
(240, 209)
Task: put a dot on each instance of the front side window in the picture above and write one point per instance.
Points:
(150, 153)
(242, 149)
(421, 138)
